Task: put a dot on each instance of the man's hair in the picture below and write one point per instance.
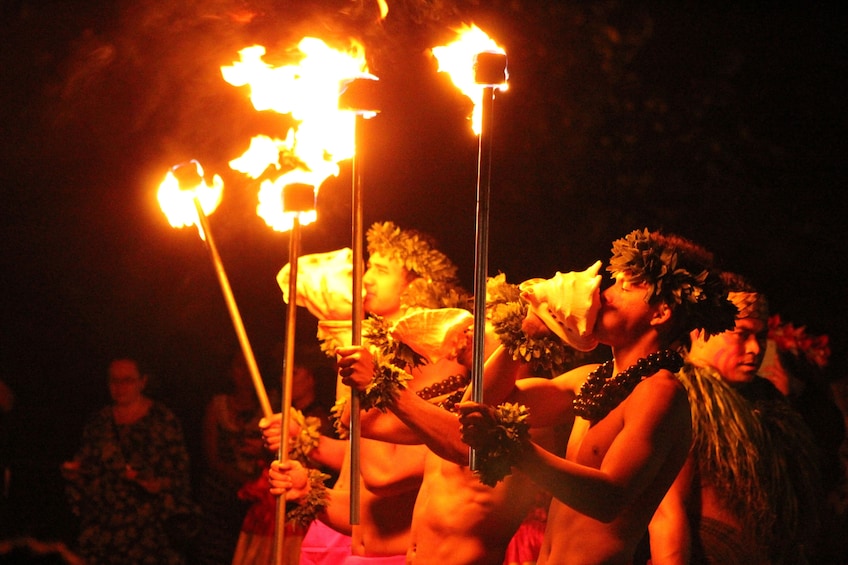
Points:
(679, 273)
(434, 283)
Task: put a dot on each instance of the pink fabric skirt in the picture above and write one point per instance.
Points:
(524, 546)
(384, 560)
(322, 545)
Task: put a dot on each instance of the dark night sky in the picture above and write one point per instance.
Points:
(723, 123)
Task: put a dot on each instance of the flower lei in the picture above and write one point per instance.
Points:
(389, 358)
(308, 508)
(412, 249)
(303, 512)
(389, 377)
(436, 285)
(509, 438)
(815, 349)
(548, 355)
(600, 394)
(336, 412)
(302, 445)
(383, 389)
(380, 393)
(663, 263)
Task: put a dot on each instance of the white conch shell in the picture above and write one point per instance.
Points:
(324, 284)
(568, 303)
(434, 334)
(335, 333)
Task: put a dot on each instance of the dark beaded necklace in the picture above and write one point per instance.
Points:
(453, 386)
(600, 394)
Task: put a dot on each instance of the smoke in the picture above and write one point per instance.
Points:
(141, 71)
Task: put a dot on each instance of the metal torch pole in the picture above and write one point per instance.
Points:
(288, 373)
(234, 312)
(481, 250)
(360, 96)
(490, 71)
(357, 316)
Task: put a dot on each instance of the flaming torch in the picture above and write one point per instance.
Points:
(360, 97)
(298, 206)
(322, 136)
(187, 199)
(477, 66)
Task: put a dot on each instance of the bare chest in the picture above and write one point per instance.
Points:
(588, 444)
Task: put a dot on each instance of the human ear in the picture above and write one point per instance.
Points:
(662, 314)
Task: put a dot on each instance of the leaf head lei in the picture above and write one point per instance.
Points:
(677, 272)
(814, 349)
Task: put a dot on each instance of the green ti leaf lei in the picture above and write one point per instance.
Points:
(305, 511)
(509, 439)
(302, 445)
(389, 377)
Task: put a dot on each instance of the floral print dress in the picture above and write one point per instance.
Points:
(121, 523)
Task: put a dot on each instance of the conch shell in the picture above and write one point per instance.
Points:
(335, 333)
(324, 284)
(434, 333)
(568, 303)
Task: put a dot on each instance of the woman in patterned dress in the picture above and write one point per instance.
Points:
(129, 476)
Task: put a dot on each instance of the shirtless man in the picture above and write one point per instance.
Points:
(404, 270)
(632, 432)
(457, 520)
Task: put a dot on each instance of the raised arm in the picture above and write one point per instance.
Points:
(653, 417)
(601, 484)
(416, 420)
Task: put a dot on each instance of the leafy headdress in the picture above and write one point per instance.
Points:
(678, 273)
(748, 300)
(435, 283)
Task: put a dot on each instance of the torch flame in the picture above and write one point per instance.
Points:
(271, 197)
(262, 153)
(183, 185)
(323, 135)
(457, 59)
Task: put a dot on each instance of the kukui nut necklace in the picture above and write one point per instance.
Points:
(453, 386)
(602, 392)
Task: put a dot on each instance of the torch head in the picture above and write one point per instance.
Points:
(361, 95)
(298, 197)
(189, 174)
(490, 68)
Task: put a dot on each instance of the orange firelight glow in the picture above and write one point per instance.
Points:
(323, 135)
(458, 59)
(177, 193)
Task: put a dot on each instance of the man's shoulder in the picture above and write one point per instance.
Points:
(575, 377)
(661, 387)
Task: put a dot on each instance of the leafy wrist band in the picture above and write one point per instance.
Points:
(308, 508)
(387, 383)
(307, 440)
(509, 438)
